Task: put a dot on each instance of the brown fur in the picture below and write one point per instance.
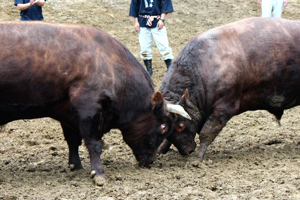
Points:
(84, 78)
(247, 65)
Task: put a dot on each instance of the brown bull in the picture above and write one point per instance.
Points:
(85, 79)
(252, 64)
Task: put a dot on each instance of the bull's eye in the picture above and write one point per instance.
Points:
(163, 128)
(180, 127)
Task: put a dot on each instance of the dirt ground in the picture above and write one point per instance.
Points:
(252, 158)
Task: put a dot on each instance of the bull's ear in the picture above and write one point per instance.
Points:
(157, 100)
(190, 106)
(185, 97)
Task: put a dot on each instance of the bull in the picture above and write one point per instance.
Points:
(252, 64)
(85, 79)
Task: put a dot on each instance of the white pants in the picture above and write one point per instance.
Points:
(146, 36)
(267, 6)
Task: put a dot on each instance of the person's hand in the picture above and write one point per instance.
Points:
(284, 3)
(160, 24)
(35, 1)
(137, 26)
(259, 2)
(32, 2)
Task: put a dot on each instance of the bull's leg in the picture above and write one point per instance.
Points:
(73, 139)
(164, 147)
(86, 107)
(92, 137)
(211, 129)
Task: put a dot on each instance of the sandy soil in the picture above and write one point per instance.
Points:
(252, 158)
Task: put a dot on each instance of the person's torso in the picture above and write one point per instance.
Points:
(151, 8)
(34, 12)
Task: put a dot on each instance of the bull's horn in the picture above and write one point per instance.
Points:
(178, 109)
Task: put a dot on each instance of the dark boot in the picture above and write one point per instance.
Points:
(168, 63)
(148, 64)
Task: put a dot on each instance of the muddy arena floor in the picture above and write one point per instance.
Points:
(252, 158)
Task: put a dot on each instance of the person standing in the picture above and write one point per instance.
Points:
(149, 22)
(30, 9)
(267, 6)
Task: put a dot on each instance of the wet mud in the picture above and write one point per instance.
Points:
(252, 158)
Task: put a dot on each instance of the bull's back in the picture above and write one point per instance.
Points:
(255, 42)
(39, 57)
(40, 63)
(256, 61)
(45, 56)
(260, 61)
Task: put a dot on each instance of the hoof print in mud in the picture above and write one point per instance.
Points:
(195, 163)
(99, 180)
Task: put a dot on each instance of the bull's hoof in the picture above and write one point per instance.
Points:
(195, 163)
(99, 180)
(196, 160)
(74, 167)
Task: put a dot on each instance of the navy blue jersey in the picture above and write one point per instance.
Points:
(149, 7)
(32, 13)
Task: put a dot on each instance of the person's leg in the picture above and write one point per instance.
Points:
(162, 43)
(278, 7)
(146, 42)
(148, 64)
(266, 8)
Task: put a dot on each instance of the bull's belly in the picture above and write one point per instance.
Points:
(281, 100)
(10, 113)
(271, 101)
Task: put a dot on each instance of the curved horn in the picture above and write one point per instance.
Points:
(178, 109)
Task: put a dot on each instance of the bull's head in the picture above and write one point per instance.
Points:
(185, 129)
(149, 129)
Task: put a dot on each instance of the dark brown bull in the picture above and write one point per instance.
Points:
(86, 80)
(252, 64)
